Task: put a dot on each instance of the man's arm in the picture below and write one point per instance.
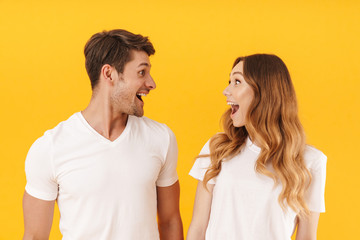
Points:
(201, 212)
(169, 220)
(38, 217)
(307, 228)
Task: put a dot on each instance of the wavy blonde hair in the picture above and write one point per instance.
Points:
(273, 121)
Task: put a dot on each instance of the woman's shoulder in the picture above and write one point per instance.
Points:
(314, 158)
(206, 147)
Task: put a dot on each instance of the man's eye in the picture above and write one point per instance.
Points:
(142, 72)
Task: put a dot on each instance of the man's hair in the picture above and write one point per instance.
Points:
(113, 48)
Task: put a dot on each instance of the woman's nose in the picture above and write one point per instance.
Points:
(226, 91)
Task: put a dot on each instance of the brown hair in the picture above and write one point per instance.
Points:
(273, 121)
(113, 48)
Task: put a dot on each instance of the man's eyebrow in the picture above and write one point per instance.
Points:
(238, 73)
(144, 64)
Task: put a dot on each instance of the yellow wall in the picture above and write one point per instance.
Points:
(43, 81)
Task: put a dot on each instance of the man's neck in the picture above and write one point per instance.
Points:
(102, 118)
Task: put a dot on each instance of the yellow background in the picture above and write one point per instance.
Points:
(43, 81)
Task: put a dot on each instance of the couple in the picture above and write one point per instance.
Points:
(113, 171)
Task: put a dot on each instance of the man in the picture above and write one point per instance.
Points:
(110, 170)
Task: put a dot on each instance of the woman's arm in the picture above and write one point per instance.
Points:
(307, 227)
(201, 212)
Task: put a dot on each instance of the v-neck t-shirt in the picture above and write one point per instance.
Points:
(104, 189)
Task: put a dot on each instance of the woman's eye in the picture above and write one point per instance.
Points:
(237, 82)
(229, 82)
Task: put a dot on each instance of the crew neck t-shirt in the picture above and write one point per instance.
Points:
(104, 189)
(245, 203)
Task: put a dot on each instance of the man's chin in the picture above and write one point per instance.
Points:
(138, 113)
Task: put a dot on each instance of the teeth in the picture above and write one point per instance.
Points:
(231, 103)
(141, 94)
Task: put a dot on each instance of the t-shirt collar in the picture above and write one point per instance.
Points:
(252, 145)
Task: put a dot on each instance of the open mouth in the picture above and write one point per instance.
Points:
(140, 95)
(234, 107)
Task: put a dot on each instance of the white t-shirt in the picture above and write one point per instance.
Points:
(245, 203)
(105, 190)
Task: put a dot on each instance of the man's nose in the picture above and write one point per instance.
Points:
(150, 83)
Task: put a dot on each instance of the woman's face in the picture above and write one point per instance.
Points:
(239, 95)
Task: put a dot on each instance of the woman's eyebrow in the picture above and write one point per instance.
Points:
(238, 73)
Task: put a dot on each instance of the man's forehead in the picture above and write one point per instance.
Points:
(139, 58)
(146, 64)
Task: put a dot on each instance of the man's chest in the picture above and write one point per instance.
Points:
(104, 170)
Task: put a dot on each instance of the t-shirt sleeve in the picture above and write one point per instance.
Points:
(315, 195)
(201, 165)
(39, 171)
(168, 175)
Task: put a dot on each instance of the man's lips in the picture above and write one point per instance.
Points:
(139, 95)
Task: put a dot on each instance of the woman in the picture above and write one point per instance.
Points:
(258, 179)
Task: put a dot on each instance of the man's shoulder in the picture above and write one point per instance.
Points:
(146, 122)
(151, 127)
(45, 142)
(58, 129)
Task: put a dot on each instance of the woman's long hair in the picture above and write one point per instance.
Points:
(273, 121)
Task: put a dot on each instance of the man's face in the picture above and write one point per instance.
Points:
(131, 85)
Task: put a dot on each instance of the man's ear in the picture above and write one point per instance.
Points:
(107, 72)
